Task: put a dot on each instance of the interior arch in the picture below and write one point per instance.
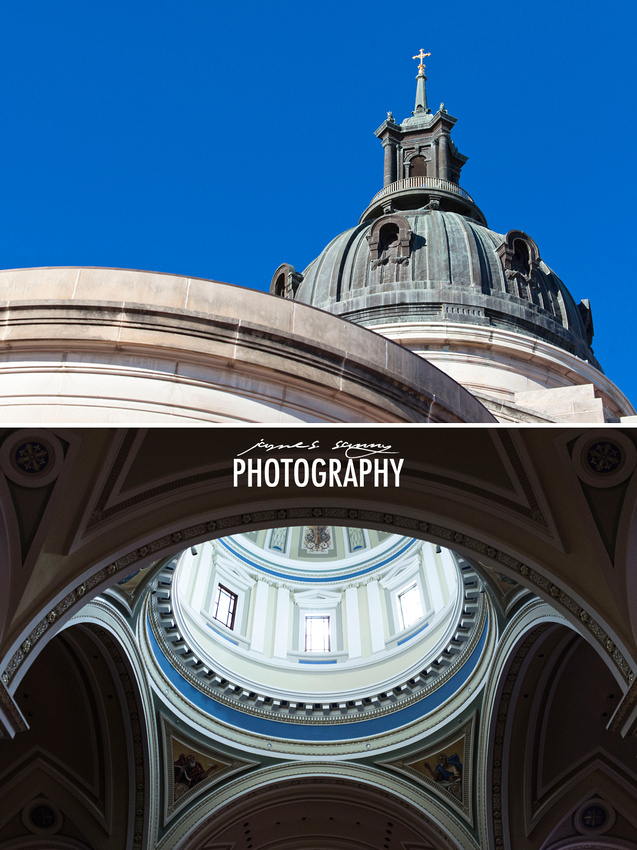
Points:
(326, 806)
(547, 533)
(85, 752)
(497, 525)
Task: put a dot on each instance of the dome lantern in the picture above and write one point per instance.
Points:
(422, 164)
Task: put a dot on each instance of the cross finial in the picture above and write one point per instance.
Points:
(421, 56)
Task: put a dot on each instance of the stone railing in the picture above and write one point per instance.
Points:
(422, 183)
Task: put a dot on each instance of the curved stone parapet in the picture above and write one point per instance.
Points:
(89, 345)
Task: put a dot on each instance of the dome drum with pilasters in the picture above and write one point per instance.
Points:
(322, 631)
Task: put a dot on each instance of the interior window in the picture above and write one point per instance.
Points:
(317, 634)
(225, 606)
(409, 606)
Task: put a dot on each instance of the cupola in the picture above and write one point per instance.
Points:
(422, 165)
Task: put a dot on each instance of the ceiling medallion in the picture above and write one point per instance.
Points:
(41, 816)
(604, 459)
(594, 817)
(31, 458)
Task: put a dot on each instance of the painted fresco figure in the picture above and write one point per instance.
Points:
(448, 769)
(188, 771)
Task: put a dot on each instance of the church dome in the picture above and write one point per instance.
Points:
(439, 265)
(423, 269)
(318, 633)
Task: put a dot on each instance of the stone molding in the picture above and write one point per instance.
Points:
(120, 643)
(533, 618)
(532, 359)
(334, 750)
(278, 357)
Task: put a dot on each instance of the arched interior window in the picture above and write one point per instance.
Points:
(418, 167)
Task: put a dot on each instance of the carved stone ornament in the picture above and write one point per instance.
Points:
(389, 240)
(604, 459)
(520, 260)
(594, 817)
(31, 458)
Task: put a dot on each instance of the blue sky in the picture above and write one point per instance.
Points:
(220, 140)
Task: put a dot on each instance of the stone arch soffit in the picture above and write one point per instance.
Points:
(9, 551)
(94, 802)
(517, 657)
(511, 659)
(118, 645)
(348, 781)
(114, 566)
(626, 551)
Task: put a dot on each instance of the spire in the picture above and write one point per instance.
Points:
(421, 79)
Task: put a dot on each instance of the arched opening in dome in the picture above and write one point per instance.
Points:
(279, 286)
(521, 257)
(388, 238)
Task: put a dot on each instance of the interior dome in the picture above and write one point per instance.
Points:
(304, 625)
(434, 265)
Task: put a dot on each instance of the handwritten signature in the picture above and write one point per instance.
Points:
(351, 450)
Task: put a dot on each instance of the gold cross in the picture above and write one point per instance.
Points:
(421, 56)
